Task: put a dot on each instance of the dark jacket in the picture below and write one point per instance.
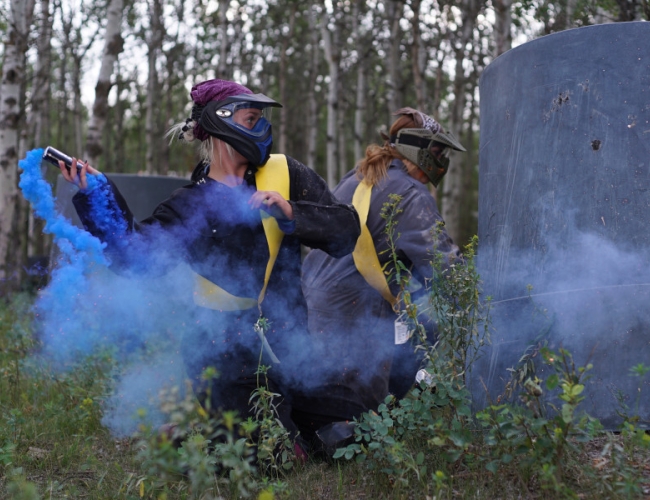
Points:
(347, 317)
(210, 227)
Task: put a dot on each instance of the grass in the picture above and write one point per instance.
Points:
(53, 444)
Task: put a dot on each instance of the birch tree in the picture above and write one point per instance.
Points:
(223, 69)
(312, 100)
(38, 120)
(154, 41)
(283, 74)
(418, 57)
(331, 44)
(78, 31)
(11, 97)
(394, 12)
(113, 45)
(363, 47)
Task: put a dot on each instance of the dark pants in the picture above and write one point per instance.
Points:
(233, 349)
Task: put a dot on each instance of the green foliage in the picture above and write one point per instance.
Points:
(541, 438)
(533, 442)
(52, 441)
(196, 455)
(274, 446)
(631, 415)
(531, 437)
(203, 452)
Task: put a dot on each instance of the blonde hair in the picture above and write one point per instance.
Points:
(206, 148)
(373, 168)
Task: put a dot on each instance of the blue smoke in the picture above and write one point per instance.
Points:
(86, 308)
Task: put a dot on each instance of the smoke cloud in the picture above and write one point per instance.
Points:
(588, 294)
(86, 308)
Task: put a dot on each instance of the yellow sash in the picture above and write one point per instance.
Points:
(365, 254)
(273, 176)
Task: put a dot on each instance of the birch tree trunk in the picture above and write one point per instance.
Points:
(39, 122)
(361, 104)
(154, 45)
(282, 78)
(342, 139)
(78, 36)
(175, 56)
(113, 45)
(418, 58)
(312, 101)
(77, 113)
(11, 97)
(395, 12)
(330, 34)
(223, 67)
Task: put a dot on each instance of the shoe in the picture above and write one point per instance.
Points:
(336, 435)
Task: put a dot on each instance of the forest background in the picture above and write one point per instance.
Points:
(105, 79)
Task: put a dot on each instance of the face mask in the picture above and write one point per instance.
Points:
(429, 151)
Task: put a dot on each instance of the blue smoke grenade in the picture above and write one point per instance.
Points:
(86, 308)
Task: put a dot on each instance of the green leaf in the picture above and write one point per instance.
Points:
(492, 466)
(460, 438)
(577, 389)
(552, 381)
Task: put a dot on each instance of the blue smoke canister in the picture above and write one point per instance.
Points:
(564, 209)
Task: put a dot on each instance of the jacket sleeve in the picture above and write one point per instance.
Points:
(321, 221)
(422, 232)
(105, 214)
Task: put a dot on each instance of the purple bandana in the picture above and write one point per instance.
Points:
(213, 90)
(216, 90)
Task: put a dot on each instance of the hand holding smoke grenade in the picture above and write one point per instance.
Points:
(52, 156)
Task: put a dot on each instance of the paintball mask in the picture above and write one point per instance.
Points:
(428, 150)
(220, 120)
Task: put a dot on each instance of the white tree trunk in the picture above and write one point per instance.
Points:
(282, 79)
(112, 47)
(38, 120)
(13, 75)
(312, 132)
(39, 117)
(418, 58)
(342, 139)
(223, 69)
(77, 112)
(154, 45)
(361, 104)
(394, 14)
(332, 56)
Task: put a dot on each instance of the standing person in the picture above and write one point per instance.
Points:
(238, 225)
(351, 313)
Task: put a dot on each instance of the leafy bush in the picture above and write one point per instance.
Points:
(432, 433)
